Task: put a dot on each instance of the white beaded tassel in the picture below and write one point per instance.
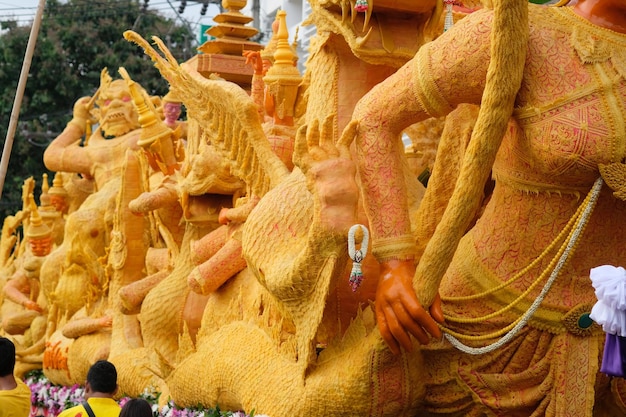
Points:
(357, 255)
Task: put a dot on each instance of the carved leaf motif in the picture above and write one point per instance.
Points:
(590, 49)
(614, 175)
(619, 63)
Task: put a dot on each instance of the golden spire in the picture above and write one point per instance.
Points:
(44, 184)
(283, 78)
(37, 229)
(156, 136)
(268, 52)
(57, 186)
(283, 56)
(47, 210)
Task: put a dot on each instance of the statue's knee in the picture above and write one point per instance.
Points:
(14, 325)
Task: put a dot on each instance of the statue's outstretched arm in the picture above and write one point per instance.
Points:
(16, 290)
(432, 84)
(86, 325)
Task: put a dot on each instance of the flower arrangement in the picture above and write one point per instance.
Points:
(48, 400)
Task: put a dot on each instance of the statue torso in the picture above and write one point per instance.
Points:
(569, 119)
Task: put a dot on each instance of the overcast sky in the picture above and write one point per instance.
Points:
(24, 11)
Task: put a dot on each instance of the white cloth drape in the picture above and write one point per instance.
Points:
(609, 283)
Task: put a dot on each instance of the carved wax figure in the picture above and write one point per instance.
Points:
(565, 86)
(118, 131)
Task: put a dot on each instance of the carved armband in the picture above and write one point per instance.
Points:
(398, 247)
(426, 90)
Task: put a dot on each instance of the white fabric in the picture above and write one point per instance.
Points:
(609, 283)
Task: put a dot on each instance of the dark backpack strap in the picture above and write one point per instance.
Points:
(87, 407)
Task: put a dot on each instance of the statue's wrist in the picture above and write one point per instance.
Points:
(337, 218)
(401, 248)
(80, 123)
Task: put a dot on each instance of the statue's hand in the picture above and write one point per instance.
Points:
(398, 311)
(253, 58)
(105, 321)
(165, 195)
(316, 145)
(330, 171)
(81, 113)
(222, 217)
(81, 108)
(32, 305)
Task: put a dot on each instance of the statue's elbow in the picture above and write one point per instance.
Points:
(50, 160)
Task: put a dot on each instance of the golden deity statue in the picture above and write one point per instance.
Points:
(283, 250)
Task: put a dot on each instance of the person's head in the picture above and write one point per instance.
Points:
(136, 407)
(101, 380)
(7, 357)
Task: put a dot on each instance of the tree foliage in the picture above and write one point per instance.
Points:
(76, 41)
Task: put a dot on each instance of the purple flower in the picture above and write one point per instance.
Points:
(49, 400)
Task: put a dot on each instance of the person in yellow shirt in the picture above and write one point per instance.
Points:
(100, 388)
(14, 393)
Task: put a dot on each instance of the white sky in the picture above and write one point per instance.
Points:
(24, 11)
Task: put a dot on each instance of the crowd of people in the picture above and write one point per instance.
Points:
(100, 390)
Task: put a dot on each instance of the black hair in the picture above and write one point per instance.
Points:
(102, 377)
(7, 357)
(136, 407)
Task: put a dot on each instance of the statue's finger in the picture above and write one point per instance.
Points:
(328, 135)
(421, 316)
(313, 134)
(346, 138)
(436, 312)
(397, 330)
(385, 332)
(301, 150)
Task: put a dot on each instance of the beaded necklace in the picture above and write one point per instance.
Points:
(574, 229)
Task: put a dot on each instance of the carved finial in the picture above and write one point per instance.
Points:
(44, 184)
(35, 218)
(156, 136)
(268, 52)
(58, 194)
(283, 55)
(283, 78)
(57, 186)
(46, 209)
(37, 229)
(105, 79)
(39, 235)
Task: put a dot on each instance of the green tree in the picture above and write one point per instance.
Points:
(76, 41)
